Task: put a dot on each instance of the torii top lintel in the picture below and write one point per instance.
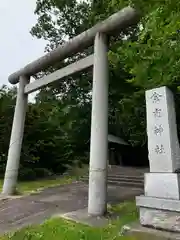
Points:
(115, 23)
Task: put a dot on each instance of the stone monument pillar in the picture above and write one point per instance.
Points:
(160, 205)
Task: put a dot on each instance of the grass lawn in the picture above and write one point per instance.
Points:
(38, 185)
(60, 229)
(34, 186)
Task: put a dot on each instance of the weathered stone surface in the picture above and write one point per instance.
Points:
(81, 216)
(160, 219)
(158, 203)
(162, 185)
(163, 144)
(160, 207)
(142, 233)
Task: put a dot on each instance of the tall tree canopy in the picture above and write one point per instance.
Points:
(148, 58)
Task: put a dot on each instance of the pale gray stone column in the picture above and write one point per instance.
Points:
(99, 129)
(163, 144)
(160, 206)
(14, 152)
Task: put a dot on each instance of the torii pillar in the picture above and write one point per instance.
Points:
(99, 129)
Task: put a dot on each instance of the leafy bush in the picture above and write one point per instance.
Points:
(42, 172)
(26, 174)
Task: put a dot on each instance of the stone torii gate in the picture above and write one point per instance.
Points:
(99, 123)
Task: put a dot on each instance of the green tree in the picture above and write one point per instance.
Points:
(7, 103)
(152, 60)
(148, 58)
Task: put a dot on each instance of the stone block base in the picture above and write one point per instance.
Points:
(162, 185)
(136, 231)
(163, 214)
(81, 216)
(160, 219)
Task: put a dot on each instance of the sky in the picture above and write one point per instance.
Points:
(18, 47)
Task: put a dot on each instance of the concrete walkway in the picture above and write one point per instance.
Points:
(33, 209)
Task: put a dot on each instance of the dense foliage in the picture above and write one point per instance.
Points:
(57, 128)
